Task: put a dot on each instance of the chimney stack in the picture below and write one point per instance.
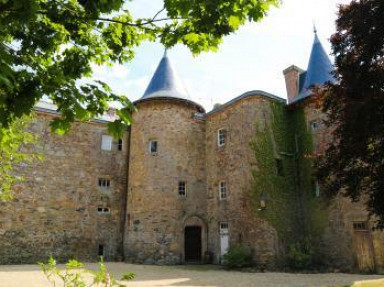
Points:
(292, 75)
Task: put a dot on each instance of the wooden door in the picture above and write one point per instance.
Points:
(363, 246)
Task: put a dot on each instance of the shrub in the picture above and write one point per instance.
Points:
(238, 256)
(300, 255)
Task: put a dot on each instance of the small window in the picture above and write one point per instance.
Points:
(120, 145)
(221, 137)
(182, 188)
(279, 167)
(153, 147)
(101, 250)
(222, 190)
(317, 189)
(360, 226)
(224, 227)
(104, 183)
(106, 142)
(129, 219)
(314, 126)
(103, 210)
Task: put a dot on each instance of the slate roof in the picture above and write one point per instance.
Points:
(318, 72)
(165, 82)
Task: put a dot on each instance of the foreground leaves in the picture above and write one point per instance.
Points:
(17, 148)
(47, 48)
(74, 274)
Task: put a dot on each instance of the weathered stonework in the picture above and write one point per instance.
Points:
(140, 215)
(343, 247)
(233, 163)
(158, 214)
(55, 210)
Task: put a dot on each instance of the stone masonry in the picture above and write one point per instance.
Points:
(175, 189)
(157, 213)
(55, 211)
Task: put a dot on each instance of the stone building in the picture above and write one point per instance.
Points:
(184, 185)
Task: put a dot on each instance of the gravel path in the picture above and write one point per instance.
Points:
(186, 276)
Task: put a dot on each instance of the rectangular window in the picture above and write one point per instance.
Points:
(279, 167)
(104, 183)
(182, 188)
(222, 190)
(317, 189)
(120, 145)
(101, 250)
(153, 147)
(106, 142)
(103, 210)
(224, 227)
(360, 226)
(221, 137)
(314, 126)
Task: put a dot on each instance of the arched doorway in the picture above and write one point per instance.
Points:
(194, 239)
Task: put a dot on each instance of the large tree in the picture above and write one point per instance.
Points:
(47, 46)
(354, 162)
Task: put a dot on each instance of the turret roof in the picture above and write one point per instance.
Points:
(165, 82)
(319, 70)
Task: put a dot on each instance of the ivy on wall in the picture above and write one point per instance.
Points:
(283, 176)
(272, 147)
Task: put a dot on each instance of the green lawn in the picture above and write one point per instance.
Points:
(369, 283)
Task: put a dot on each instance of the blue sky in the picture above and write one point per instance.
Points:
(251, 59)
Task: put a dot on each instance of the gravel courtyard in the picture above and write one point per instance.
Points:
(186, 276)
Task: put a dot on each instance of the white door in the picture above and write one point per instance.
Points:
(224, 239)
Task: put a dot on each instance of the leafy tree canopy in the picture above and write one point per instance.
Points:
(354, 161)
(47, 46)
(17, 147)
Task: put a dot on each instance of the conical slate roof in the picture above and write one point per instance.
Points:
(319, 70)
(165, 83)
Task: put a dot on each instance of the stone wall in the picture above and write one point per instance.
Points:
(233, 163)
(55, 211)
(343, 247)
(157, 213)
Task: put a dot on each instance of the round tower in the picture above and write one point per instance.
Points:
(166, 206)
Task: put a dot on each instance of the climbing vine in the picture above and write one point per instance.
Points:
(272, 147)
(283, 177)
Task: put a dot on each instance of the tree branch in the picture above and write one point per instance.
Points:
(157, 14)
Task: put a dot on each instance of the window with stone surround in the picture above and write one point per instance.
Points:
(360, 226)
(221, 137)
(153, 147)
(103, 210)
(182, 189)
(104, 183)
(106, 142)
(222, 190)
(120, 145)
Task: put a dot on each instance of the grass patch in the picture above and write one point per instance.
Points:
(368, 283)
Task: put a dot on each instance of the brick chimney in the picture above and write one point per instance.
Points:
(291, 75)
